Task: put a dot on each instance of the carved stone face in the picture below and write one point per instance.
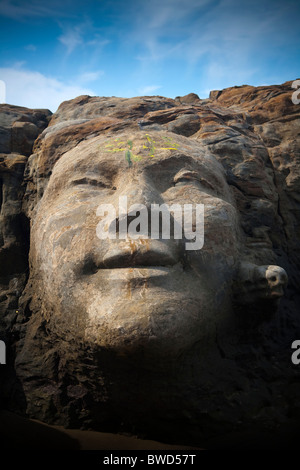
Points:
(144, 294)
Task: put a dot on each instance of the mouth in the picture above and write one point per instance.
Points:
(137, 259)
(133, 254)
(276, 293)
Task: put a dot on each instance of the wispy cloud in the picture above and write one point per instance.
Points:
(168, 45)
(2, 92)
(147, 90)
(224, 42)
(18, 9)
(87, 77)
(71, 38)
(30, 47)
(35, 90)
(98, 42)
(172, 13)
(83, 34)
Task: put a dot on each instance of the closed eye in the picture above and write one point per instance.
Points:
(91, 182)
(191, 177)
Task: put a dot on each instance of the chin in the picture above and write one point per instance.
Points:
(165, 327)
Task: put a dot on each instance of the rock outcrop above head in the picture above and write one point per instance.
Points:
(19, 127)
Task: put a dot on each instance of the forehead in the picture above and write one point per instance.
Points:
(151, 153)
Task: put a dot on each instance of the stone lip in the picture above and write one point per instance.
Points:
(246, 381)
(152, 257)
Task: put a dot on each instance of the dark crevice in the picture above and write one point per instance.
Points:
(1, 193)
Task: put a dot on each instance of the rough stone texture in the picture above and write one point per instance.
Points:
(191, 98)
(192, 359)
(19, 127)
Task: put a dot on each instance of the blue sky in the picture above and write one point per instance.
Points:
(54, 51)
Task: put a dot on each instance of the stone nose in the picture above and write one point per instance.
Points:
(276, 276)
(140, 191)
(133, 202)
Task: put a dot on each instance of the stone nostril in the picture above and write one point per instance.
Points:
(276, 276)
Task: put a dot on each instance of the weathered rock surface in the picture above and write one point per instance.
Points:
(238, 376)
(19, 127)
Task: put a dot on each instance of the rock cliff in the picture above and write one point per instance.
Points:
(245, 381)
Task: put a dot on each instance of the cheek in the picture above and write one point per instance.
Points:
(221, 228)
(217, 259)
(192, 193)
(186, 194)
(61, 233)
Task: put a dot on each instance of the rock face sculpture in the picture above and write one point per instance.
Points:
(143, 335)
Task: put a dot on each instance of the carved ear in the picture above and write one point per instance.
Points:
(259, 284)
